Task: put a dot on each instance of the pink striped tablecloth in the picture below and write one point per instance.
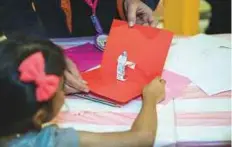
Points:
(192, 119)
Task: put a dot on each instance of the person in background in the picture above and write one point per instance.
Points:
(134, 11)
(32, 94)
(220, 21)
(48, 19)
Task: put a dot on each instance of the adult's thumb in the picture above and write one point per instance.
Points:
(131, 13)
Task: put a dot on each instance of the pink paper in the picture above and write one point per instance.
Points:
(85, 56)
(175, 84)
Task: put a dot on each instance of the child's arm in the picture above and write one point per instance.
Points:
(143, 131)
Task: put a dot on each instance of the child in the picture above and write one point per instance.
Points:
(31, 94)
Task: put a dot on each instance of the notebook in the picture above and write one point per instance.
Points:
(146, 47)
(84, 56)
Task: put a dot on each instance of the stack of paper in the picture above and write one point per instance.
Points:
(205, 60)
(84, 56)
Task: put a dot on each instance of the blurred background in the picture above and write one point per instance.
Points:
(190, 17)
(214, 15)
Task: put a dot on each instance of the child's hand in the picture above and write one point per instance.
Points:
(73, 80)
(154, 92)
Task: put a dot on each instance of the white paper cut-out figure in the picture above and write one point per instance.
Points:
(121, 66)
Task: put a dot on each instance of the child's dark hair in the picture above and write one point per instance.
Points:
(17, 99)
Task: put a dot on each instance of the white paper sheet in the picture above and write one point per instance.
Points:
(206, 41)
(204, 60)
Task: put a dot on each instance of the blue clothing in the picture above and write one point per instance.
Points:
(50, 136)
(152, 3)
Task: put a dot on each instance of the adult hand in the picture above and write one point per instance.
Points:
(73, 80)
(138, 12)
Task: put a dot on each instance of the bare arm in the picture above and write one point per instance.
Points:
(143, 131)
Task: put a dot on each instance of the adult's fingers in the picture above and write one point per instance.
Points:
(70, 90)
(76, 83)
(131, 13)
(146, 24)
(152, 22)
(71, 67)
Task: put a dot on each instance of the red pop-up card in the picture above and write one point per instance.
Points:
(146, 47)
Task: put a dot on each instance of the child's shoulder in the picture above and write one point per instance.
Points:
(51, 136)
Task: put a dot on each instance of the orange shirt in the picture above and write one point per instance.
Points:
(66, 6)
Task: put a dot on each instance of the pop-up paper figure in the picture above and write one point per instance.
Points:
(121, 66)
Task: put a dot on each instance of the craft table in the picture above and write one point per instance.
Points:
(192, 119)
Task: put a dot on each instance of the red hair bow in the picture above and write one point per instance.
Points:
(32, 69)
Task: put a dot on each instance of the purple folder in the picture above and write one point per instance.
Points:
(84, 56)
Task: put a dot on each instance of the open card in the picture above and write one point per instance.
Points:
(146, 47)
